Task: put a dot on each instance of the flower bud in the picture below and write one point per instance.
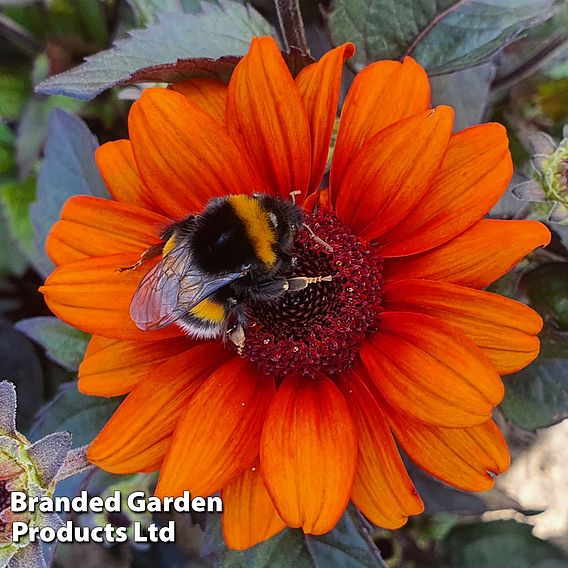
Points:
(549, 185)
(33, 469)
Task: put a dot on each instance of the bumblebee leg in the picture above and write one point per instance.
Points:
(235, 322)
(236, 336)
(152, 252)
(300, 282)
(268, 290)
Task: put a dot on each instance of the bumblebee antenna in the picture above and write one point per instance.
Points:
(307, 227)
(317, 239)
(293, 195)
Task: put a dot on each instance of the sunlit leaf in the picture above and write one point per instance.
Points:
(16, 199)
(186, 44)
(443, 35)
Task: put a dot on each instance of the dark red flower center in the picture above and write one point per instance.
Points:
(321, 327)
(4, 496)
(4, 504)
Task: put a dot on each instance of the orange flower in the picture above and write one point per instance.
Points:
(404, 345)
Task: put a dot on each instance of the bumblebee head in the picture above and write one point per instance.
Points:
(285, 217)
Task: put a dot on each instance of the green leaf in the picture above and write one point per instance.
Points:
(499, 544)
(29, 20)
(33, 127)
(347, 545)
(62, 343)
(547, 287)
(466, 91)
(443, 36)
(70, 411)
(534, 50)
(68, 169)
(14, 87)
(560, 235)
(16, 199)
(537, 397)
(441, 498)
(147, 10)
(6, 136)
(20, 364)
(178, 46)
(11, 262)
(91, 14)
(7, 161)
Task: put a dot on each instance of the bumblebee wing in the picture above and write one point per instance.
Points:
(171, 289)
(197, 287)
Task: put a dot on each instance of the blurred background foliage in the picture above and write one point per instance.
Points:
(504, 60)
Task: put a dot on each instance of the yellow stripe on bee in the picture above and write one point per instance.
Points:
(170, 244)
(209, 310)
(257, 225)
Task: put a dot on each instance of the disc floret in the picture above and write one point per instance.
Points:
(321, 327)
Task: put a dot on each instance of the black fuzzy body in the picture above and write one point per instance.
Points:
(217, 240)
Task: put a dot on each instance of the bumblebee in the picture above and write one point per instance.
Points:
(238, 250)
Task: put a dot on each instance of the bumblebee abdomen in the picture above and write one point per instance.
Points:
(205, 321)
(209, 310)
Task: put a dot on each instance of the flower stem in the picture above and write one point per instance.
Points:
(292, 24)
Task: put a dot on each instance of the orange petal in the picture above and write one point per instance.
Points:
(120, 172)
(92, 296)
(426, 369)
(391, 174)
(112, 367)
(185, 156)
(319, 86)
(380, 95)
(474, 174)
(382, 489)
(209, 94)
(504, 329)
(268, 121)
(91, 226)
(308, 453)
(249, 517)
(137, 433)
(317, 199)
(477, 257)
(218, 436)
(466, 458)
